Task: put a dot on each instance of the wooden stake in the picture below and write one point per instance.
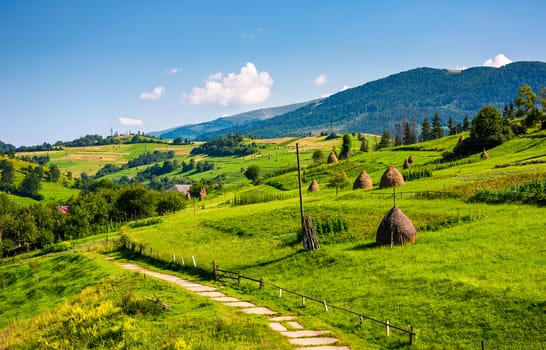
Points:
(193, 259)
(388, 328)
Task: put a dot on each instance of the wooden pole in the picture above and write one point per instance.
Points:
(299, 187)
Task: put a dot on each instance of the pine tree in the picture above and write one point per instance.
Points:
(437, 128)
(364, 147)
(425, 130)
(466, 123)
(451, 126)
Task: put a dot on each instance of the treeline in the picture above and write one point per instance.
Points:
(142, 159)
(229, 145)
(84, 141)
(31, 183)
(108, 205)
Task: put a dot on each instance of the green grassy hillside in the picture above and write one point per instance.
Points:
(476, 273)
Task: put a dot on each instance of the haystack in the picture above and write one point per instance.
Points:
(484, 154)
(461, 139)
(188, 196)
(332, 158)
(406, 164)
(410, 159)
(202, 193)
(313, 187)
(391, 178)
(363, 181)
(395, 228)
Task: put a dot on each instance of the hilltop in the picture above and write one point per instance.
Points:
(378, 105)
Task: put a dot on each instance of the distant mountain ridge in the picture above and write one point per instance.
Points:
(380, 104)
(224, 125)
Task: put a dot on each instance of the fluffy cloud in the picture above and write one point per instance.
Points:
(247, 87)
(154, 95)
(320, 80)
(499, 61)
(130, 121)
(173, 71)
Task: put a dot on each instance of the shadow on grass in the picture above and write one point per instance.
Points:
(365, 246)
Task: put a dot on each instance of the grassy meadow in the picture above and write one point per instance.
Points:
(476, 273)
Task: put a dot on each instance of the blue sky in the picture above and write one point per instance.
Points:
(71, 68)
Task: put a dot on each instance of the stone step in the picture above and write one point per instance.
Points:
(240, 304)
(294, 325)
(212, 294)
(303, 334)
(282, 318)
(276, 326)
(225, 299)
(327, 347)
(259, 311)
(312, 341)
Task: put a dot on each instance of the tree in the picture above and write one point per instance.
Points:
(252, 173)
(397, 140)
(364, 145)
(54, 173)
(338, 180)
(451, 126)
(408, 139)
(386, 140)
(345, 152)
(437, 128)
(526, 107)
(425, 130)
(7, 172)
(135, 202)
(30, 186)
(318, 156)
(466, 123)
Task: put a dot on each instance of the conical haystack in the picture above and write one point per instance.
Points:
(484, 154)
(461, 139)
(410, 159)
(395, 228)
(313, 187)
(188, 196)
(363, 181)
(202, 193)
(332, 158)
(391, 178)
(406, 164)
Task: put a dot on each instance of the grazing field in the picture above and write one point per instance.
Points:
(476, 273)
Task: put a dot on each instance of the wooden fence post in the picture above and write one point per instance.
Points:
(239, 278)
(214, 272)
(325, 305)
(174, 258)
(261, 283)
(411, 335)
(361, 320)
(388, 328)
(303, 300)
(280, 292)
(182, 259)
(193, 259)
(483, 345)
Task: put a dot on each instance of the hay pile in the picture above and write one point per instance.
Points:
(406, 164)
(332, 158)
(391, 178)
(202, 193)
(484, 154)
(410, 159)
(313, 187)
(363, 181)
(396, 228)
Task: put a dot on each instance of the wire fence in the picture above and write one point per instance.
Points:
(220, 273)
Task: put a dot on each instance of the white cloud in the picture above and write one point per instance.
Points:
(247, 87)
(173, 71)
(499, 61)
(154, 95)
(328, 94)
(130, 121)
(320, 80)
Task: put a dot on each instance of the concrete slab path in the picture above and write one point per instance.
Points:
(285, 325)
